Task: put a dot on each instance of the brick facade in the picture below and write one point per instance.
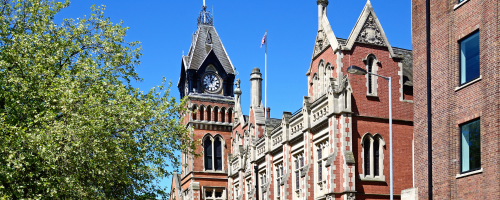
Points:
(453, 105)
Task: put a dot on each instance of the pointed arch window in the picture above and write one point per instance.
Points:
(216, 114)
(373, 158)
(212, 152)
(207, 146)
(223, 115)
(371, 81)
(218, 154)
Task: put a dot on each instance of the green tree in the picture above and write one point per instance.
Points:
(71, 124)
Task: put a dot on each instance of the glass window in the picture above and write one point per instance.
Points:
(366, 147)
(376, 162)
(469, 58)
(471, 146)
(218, 154)
(208, 154)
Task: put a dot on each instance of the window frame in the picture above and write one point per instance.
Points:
(371, 177)
(212, 139)
(461, 143)
(460, 58)
(298, 165)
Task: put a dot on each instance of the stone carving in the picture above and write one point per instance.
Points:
(238, 82)
(329, 160)
(304, 171)
(351, 196)
(321, 43)
(370, 33)
(340, 88)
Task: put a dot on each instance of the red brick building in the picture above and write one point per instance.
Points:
(465, 59)
(336, 146)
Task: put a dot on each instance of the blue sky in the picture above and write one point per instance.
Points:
(165, 27)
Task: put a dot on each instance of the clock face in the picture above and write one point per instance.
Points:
(211, 83)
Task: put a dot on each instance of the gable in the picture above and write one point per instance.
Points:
(368, 30)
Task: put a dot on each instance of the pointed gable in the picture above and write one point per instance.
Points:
(324, 39)
(205, 40)
(368, 30)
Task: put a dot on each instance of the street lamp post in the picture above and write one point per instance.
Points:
(360, 71)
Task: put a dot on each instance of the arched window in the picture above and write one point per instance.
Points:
(223, 115)
(194, 110)
(218, 154)
(315, 86)
(202, 113)
(212, 152)
(321, 77)
(207, 146)
(230, 115)
(366, 148)
(328, 75)
(370, 70)
(373, 157)
(376, 163)
(209, 112)
(216, 114)
(371, 81)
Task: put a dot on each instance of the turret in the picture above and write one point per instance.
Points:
(321, 11)
(256, 88)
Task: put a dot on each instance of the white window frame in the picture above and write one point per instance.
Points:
(262, 180)
(298, 157)
(371, 177)
(214, 190)
(320, 184)
(278, 178)
(373, 79)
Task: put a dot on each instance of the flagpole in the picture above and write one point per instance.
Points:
(265, 81)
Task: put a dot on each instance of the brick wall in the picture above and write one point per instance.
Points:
(451, 107)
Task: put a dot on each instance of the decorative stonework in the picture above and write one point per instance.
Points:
(370, 33)
(321, 43)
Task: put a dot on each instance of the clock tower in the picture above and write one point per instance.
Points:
(206, 80)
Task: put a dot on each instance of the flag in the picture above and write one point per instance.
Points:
(264, 40)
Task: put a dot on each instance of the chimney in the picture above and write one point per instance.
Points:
(321, 11)
(268, 112)
(256, 88)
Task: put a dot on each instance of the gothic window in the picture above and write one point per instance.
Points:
(373, 157)
(194, 110)
(315, 84)
(321, 157)
(262, 184)
(202, 113)
(230, 115)
(321, 77)
(223, 115)
(371, 80)
(299, 164)
(370, 85)
(328, 75)
(279, 178)
(218, 154)
(207, 146)
(209, 112)
(216, 114)
(212, 153)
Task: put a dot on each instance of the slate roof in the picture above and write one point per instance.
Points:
(271, 123)
(200, 49)
(407, 65)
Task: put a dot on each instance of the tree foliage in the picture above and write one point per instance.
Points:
(71, 124)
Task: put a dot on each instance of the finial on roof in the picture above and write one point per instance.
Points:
(323, 2)
(205, 16)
